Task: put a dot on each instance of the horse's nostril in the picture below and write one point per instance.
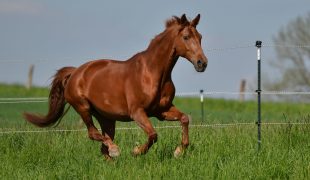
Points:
(199, 62)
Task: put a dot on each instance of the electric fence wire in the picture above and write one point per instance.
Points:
(219, 49)
(218, 125)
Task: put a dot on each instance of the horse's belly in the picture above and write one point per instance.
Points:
(110, 105)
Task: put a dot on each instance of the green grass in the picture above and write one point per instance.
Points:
(16, 90)
(214, 152)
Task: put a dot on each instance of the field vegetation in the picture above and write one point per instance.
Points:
(215, 152)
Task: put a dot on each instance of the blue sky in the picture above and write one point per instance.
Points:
(53, 33)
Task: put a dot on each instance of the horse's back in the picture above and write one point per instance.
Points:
(93, 72)
(102, 84)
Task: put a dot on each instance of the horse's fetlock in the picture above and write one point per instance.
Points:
(153, 138)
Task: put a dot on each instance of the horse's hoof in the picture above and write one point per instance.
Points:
(136, 151)
(139, 150)
(179, 151)
(108, 158)
(114, 151)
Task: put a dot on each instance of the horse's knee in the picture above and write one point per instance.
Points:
(184, 119)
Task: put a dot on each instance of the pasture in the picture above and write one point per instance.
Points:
(215, 152)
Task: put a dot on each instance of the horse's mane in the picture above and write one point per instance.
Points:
(174, 21)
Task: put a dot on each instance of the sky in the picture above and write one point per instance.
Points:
(56, 33)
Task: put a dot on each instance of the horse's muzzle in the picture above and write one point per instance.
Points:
(200, 65)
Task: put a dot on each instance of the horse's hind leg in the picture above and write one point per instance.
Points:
(108, 148)
(83, 108)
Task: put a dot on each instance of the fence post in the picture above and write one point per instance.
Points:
(202, 106)
(259, 45)
(242, 90)
(30, 75)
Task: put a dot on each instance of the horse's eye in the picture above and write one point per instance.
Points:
(185, 37)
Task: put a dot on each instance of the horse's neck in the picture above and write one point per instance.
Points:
(161, 58)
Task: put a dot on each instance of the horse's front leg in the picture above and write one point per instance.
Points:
(143, 121)
(173, 114)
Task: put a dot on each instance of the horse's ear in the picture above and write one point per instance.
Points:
(195, 21)
(183, 20)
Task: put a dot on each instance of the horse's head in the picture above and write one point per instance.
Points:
(188, 42)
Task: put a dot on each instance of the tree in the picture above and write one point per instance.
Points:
(293, 59)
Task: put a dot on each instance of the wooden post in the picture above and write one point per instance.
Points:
(242, 90)
(30, 75)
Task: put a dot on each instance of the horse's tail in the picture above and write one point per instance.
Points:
(56, 100)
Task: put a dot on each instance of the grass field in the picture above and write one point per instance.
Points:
(228, 152)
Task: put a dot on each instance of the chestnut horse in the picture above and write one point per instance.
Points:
(131, 90)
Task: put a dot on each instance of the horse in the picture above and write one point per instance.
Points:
(131, 90)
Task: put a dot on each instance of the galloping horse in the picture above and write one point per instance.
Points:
(131, 90)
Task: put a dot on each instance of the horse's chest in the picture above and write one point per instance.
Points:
(167, 95)
(162, 96)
